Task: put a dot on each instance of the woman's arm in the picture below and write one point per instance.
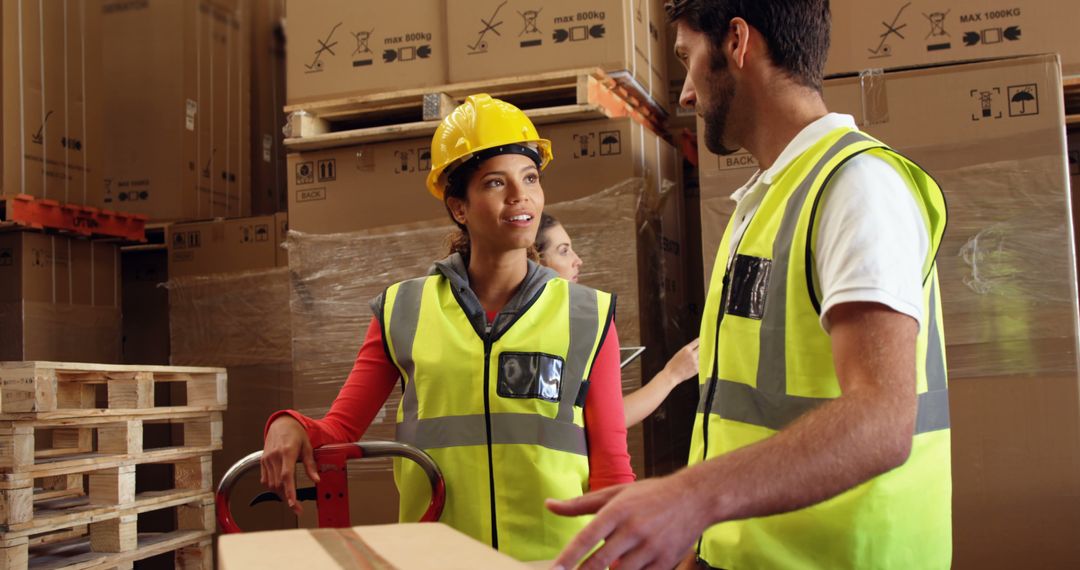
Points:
(289, 435)
(683, 366)
(605, 426)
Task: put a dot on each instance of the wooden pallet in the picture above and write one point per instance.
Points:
(546, 98)
(20, 211)
(51, 448)
(112, 539)
(57, 390)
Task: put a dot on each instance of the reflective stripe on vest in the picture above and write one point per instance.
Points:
(492, 446)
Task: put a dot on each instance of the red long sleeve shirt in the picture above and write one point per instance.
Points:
(374, 376)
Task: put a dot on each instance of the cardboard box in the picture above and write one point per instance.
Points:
(339, 48)
(490, 39)
(383, 184)
(52, 130)
(59, 299)
(227, 246)
(407, 547)
(229, 305)
(915, 33)
(177, 96)
(1008, 290)
(267, 107)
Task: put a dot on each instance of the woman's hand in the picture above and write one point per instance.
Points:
(684, 365)
(286, 440)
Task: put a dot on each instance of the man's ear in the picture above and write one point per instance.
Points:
(457, 209)
(737, 41)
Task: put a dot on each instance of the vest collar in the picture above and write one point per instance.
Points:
(454, 270)
(806, 138)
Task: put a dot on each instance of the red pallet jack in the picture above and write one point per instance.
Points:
(331, 493)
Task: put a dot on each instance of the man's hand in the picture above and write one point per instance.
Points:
(649, 524)
(286, 441)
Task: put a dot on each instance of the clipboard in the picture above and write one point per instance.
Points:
(628, 354)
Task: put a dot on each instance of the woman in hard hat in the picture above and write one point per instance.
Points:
(556, 250)
(510, 374)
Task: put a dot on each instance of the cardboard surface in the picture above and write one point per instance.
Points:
(52, 130)
(267, 103)
(406, 546)
(1073, 141)
(59, 299)
(1008, 289)
(496, 38)
(342, 47)
(227, 246)
(177, 96)
(369, 186)
(903, 33)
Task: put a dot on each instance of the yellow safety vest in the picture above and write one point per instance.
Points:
(500, 409)
(765, 361)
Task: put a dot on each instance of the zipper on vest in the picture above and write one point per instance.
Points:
(487, 425)
(706, 416)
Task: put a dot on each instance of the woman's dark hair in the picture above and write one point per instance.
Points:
(457, 186)
(547, 221)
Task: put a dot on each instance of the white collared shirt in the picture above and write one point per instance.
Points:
(871, 240)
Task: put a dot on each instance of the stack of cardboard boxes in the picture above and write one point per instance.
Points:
(992, 134)
(195, 89)
(60, 294)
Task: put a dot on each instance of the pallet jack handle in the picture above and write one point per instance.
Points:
(332, 490)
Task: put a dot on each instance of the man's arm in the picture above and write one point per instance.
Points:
(867, 431)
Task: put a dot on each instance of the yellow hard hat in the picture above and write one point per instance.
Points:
(478, 124)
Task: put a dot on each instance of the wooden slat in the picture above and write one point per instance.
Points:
(103, 416)
(76, 554)
(98, 461)
(84, 512)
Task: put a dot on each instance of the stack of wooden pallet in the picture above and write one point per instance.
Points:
(85, 480)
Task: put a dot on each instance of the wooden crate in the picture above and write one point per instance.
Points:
(546, 98)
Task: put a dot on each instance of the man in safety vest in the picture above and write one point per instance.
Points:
(822, 432)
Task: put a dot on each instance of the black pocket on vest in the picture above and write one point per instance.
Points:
(748, 286)
(530, 375)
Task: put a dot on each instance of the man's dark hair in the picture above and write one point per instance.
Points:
(796, 31)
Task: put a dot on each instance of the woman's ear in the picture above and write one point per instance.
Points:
(457, 209)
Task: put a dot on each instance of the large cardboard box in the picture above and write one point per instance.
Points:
(490, 39)
(177, 99)
(1008, 290)
(383, 184)
(59, 299)
(417, 546)
(915, 33)
(52, 137)
(343, 47)
(229, 305)
(227, 246)
(267, 107)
